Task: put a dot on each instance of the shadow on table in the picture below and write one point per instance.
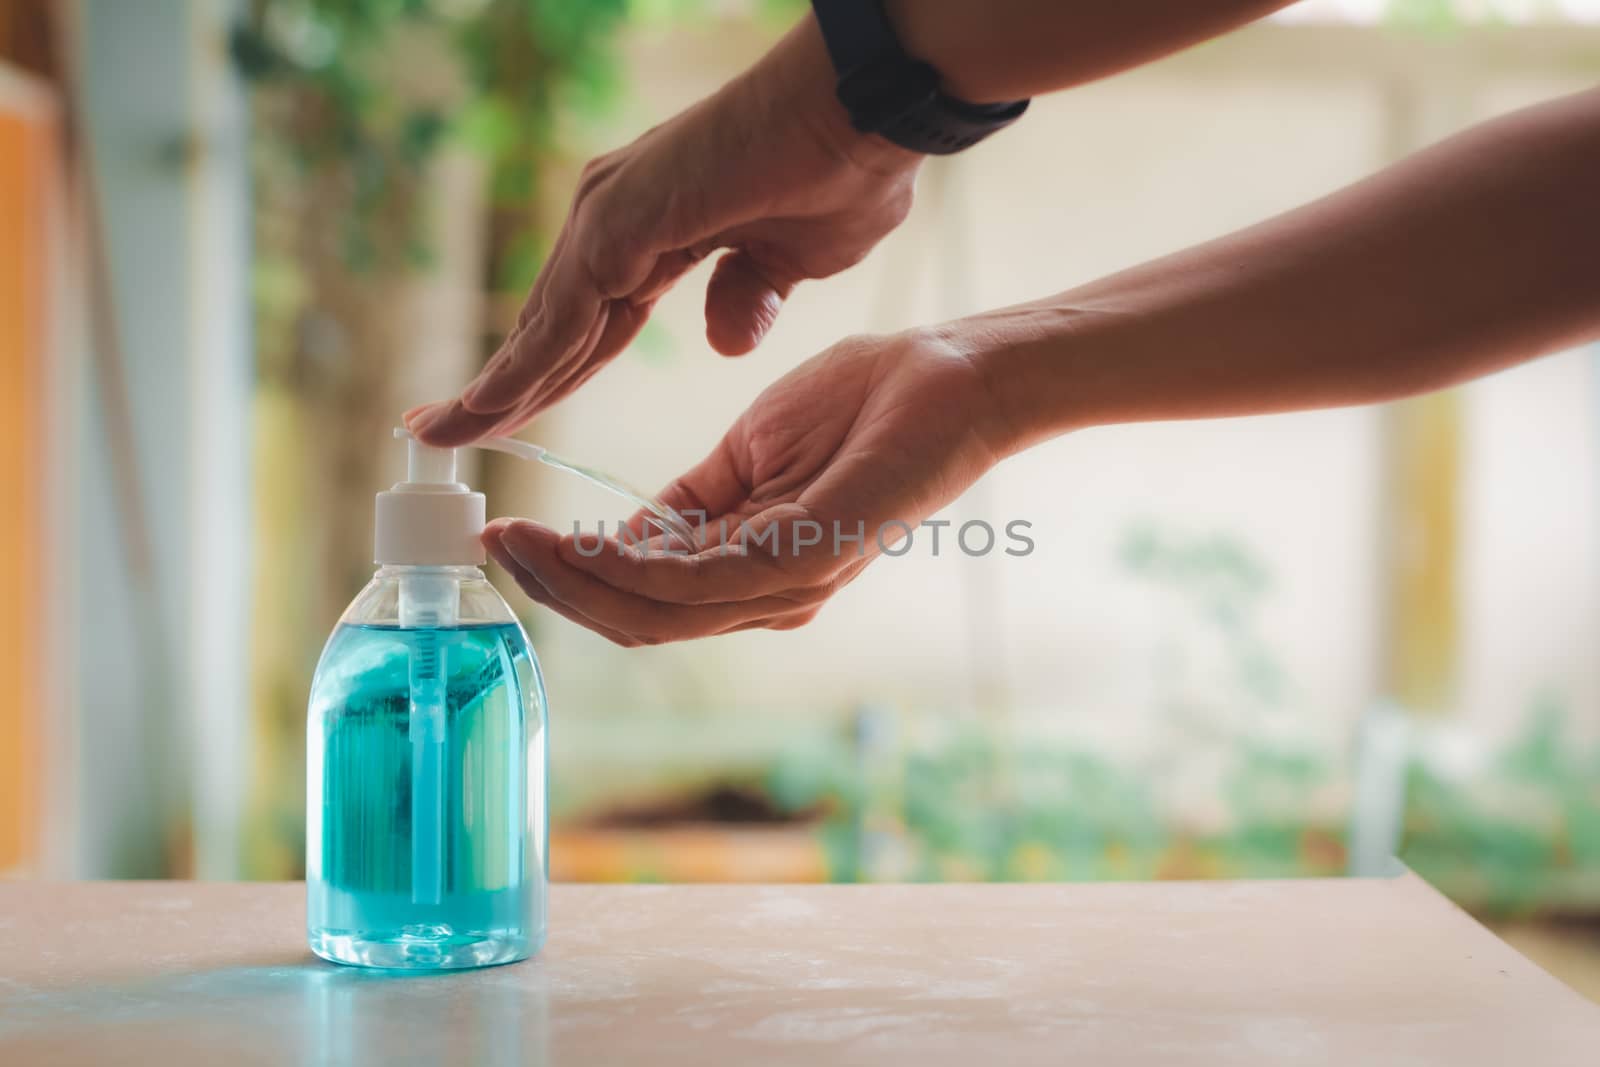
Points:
(301, 1011)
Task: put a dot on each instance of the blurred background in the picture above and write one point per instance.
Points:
(238, 237)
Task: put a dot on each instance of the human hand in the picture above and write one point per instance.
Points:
(868, 438)
(767, 167)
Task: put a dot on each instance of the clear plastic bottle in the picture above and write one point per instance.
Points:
(426, 819)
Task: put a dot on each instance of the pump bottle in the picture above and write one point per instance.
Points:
(426, 819)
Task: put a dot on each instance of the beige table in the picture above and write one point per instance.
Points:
(1337, 972)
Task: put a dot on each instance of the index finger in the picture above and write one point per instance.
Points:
(560, 317)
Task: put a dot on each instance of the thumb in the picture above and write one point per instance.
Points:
(742, 302)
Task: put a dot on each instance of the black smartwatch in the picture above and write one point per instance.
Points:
(894, 95)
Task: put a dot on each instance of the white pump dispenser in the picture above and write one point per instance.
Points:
(430, 519)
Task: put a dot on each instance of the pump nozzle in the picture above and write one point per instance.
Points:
(426, 464)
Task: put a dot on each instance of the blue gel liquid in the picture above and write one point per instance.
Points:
(467, 887)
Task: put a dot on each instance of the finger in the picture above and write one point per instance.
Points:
(606, 259)
(582, 369)
(448, 425)
(530, 306)
(618, 319)
(792, 621)
(541, 283)
(452, 423)
(540, 550)
(529, 583)
(742, 302)
(668, 269)
(558, 324)
(623, 321)
(618, 326)
(765, 560)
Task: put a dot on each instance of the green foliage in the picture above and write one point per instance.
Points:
(1510, 837)
(1433, 15)
(998, 805)
(1519, 832)
(356, 109)
(1220, 583)
(976, 807)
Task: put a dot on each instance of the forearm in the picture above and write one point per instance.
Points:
(1007, 49)
(1470, 256)
(984, 51)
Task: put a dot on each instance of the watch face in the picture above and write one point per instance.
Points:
(878, 92)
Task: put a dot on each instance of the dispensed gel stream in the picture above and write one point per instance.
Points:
(669, 519)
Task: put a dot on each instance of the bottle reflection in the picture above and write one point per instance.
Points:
(496, 1018)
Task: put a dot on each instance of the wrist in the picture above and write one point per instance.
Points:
(1035, 363)
(795, 83)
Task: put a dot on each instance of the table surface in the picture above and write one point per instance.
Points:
(1340, 971)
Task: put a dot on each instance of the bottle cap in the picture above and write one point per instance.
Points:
(430, 519)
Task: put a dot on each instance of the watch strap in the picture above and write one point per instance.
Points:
(895, 95)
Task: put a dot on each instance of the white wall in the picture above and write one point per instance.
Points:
(162, 422)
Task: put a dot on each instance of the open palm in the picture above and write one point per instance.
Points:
(833, 462)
